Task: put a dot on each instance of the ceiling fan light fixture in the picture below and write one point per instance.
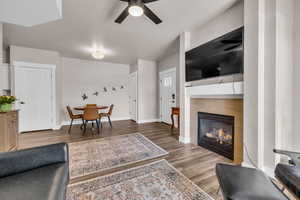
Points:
(136, 11)
(97, 54)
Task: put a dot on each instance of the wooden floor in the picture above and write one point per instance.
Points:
(193, 161)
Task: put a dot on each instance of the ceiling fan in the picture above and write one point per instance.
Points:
(137, 8)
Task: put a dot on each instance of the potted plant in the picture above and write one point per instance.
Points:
(6, 103)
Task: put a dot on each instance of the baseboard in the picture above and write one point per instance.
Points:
(184, 140)
(269, 171)
(147, 121)
(57, 127)
(246, 164)
(65, 123)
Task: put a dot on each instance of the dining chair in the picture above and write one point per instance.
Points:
(108, 114)
(90, 115)
(73, 117)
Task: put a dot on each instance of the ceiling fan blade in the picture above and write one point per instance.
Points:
(148, 1)
(122, 16)
(151, 15)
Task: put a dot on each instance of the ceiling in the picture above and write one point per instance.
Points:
(89, 24)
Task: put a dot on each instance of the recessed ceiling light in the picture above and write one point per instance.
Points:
(97, 54)
(136, 11)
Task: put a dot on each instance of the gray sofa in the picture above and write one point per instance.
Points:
(40, 173)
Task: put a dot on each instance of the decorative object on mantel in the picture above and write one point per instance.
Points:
(113, 89)
(105, 89)
(122, 87)
(6, 103)
(96, 93)
(84, 97)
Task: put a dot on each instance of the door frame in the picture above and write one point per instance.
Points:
(136, 94)
(30, 65)
(159, 83)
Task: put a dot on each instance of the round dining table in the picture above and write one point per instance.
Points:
(97, 107)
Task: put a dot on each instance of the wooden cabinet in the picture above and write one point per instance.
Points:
(9, 131)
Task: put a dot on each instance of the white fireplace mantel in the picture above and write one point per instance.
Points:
(223, 90)
(232, 90)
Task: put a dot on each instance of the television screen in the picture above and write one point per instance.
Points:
(220, 57)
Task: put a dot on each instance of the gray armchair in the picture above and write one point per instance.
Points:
(289, 174)
(40, 173)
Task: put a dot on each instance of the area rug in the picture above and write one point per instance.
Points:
(99, 155)
(154, 181)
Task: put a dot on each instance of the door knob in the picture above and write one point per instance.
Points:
(22, 102)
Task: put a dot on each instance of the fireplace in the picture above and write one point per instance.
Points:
(216, 133)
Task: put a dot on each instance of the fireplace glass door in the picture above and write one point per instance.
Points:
(216, 133)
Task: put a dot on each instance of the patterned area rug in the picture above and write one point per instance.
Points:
(154, 181)
(99, 155)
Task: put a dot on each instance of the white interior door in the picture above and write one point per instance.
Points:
(167, 94)
(133, 96)
(34, 88)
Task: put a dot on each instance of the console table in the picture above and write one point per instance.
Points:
(175, 111)
(9, 130)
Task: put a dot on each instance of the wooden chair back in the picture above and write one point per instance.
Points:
(91, 105)
(90, 114)
(110, 109)
(70, 112)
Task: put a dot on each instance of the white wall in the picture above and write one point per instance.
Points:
(133, 68)
(43, 57)
(284, 72)
(87, 77)
(269, 83)
(1, 43)
(268, 79)
(147, 91)
(228, 21)
(251, 83)
(296, 89)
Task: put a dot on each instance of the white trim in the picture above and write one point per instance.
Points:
(52, 68)
(168, 71)
(136, 95)
(230, 89)
(20, 64)
(269, 171)
(184, 140)
(147, 121)
(261, 85)
(246, 164)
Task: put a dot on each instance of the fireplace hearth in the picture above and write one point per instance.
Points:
(216, 133)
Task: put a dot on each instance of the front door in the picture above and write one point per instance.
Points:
(167, 94)
(33, 88)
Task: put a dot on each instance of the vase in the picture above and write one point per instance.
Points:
(5, 107)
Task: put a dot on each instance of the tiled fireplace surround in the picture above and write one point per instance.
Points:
(222, 99)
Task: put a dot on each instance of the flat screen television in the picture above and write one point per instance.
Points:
(219, 57)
